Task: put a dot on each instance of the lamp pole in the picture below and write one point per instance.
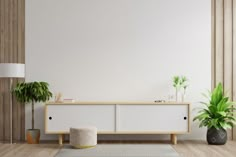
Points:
(11, 82)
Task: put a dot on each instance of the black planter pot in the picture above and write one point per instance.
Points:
(216, 136)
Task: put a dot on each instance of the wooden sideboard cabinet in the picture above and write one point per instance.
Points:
(119, 118)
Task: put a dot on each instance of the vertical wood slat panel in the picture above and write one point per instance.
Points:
(12, 31)
(227, 60)
(10, 24)
(6, 51)
(15, 36)
(1, 60)
(219, 45)
(2, 11)
(223, 49)
(234, 58)
(213, 43)
(11, 55)
(228, 47)
(15, 109)
(21, 58)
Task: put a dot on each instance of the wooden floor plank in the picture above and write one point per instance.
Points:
(202, 149)
(184, 148)
(27, 150)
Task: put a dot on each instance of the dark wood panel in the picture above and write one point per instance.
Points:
(12, 50)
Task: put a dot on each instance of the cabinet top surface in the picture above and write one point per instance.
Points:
(118, 103)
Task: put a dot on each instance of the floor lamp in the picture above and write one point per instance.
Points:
(11, 70)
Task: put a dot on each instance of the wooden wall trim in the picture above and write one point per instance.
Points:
(234, 58)
(12, 50)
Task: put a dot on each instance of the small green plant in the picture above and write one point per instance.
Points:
(176, 82)
(218, 112)
(180, 82)
(32, 92)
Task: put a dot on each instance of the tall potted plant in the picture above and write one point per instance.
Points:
(217, 116)
(32, 92)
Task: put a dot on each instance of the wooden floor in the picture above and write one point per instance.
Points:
(184, 148)
(202, 149)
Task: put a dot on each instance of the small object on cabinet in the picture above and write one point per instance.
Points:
(158, 101)
(58, 97)
(68, 100)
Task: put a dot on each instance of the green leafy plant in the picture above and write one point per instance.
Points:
(218, 112)
(178, 83)
(32, 92)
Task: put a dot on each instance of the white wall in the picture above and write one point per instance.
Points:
(118, 50)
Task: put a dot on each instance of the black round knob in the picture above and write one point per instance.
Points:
(50, 118)
(185, 118)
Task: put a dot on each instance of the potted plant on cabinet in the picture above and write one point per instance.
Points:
(178, 83)
(32, 92)
(217, 116)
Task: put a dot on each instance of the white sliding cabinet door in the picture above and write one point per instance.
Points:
(60, 118)
(159, 118)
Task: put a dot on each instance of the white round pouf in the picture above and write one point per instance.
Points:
(83, 137)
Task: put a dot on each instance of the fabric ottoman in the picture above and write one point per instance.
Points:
(83, 137)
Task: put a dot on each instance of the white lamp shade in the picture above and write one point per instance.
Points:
(16, 70)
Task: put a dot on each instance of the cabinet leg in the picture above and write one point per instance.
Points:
(173, 138)
(60, 138)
